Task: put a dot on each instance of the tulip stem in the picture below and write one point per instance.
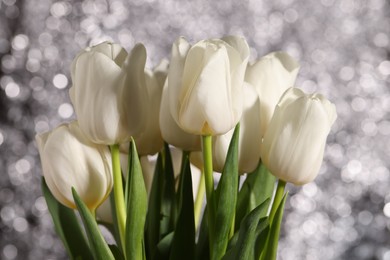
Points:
(277, 199)
(118, 192)
(199, 199)
(209, 184)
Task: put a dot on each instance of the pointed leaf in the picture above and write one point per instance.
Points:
(258, 186)
(67, 226)
(271, 247)
(202, 247)
(116, 252)
(183, 244)
(261, 241)
(164, 247)
(136, 208)
(98, 245)
(247, 234)
(226, 198)
(168, 203)
(154, 208)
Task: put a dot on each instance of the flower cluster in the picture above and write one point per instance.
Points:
(193, 102)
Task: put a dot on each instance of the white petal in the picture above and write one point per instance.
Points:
(180, 49)
(171, 132)
(134, 97)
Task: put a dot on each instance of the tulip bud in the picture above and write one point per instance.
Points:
(109, 93)
(249, 138)
(205, 84)
(294, 143)
(69, 160)
(271, 76)
(150, 141)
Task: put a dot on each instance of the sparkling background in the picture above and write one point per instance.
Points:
(343, 49)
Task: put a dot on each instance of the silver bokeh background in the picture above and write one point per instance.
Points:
(343, 49)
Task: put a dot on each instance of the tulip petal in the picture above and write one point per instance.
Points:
(134, 97)
(209, 97)
(271, 76)
(171, 132)
(113, 51)
(75, 162)
(180, 49)
(239, 44)
(293, 146)
(103, 125)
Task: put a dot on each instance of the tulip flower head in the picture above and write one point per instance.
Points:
(249, 140)
(271, 76)
(205, 84)
(294, 143)
(69, 160)
(109, 93)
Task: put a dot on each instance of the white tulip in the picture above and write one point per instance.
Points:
(150, 141)
(294, 143)
(249, 138)
(69, 159)
(205, 84)
(271, 76)
(108, 93)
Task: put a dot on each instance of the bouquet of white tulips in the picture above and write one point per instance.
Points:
(225, 116)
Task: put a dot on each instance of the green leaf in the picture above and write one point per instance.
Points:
(261, 236)
(226, 198)
(247, 234)
(164, 247)
(183, 244)
(168, 203)
(154, 208)
(98, 245)
(258, 186)
(67, 226)
(116, 252)
(271, 247)
(136, 208)
(261, 241)
(233, 241)
(202, 250)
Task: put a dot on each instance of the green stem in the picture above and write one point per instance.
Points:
(209, 183)
(199, 199)
(118, 192)
(277, 199)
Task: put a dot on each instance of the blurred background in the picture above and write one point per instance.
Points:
(344, 51)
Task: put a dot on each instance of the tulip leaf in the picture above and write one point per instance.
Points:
(271, 246)
(116, 252)
(164, 247)
(202, 247)
(243, 248)
(154, 207)
(100, 249)
(261, 231)
(168, 203)
(136, 208)
(258, 186)
(261, 241)
(183, 244)
(226, 198)
(67, 226)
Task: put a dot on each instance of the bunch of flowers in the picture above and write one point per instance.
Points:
(225, 116)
